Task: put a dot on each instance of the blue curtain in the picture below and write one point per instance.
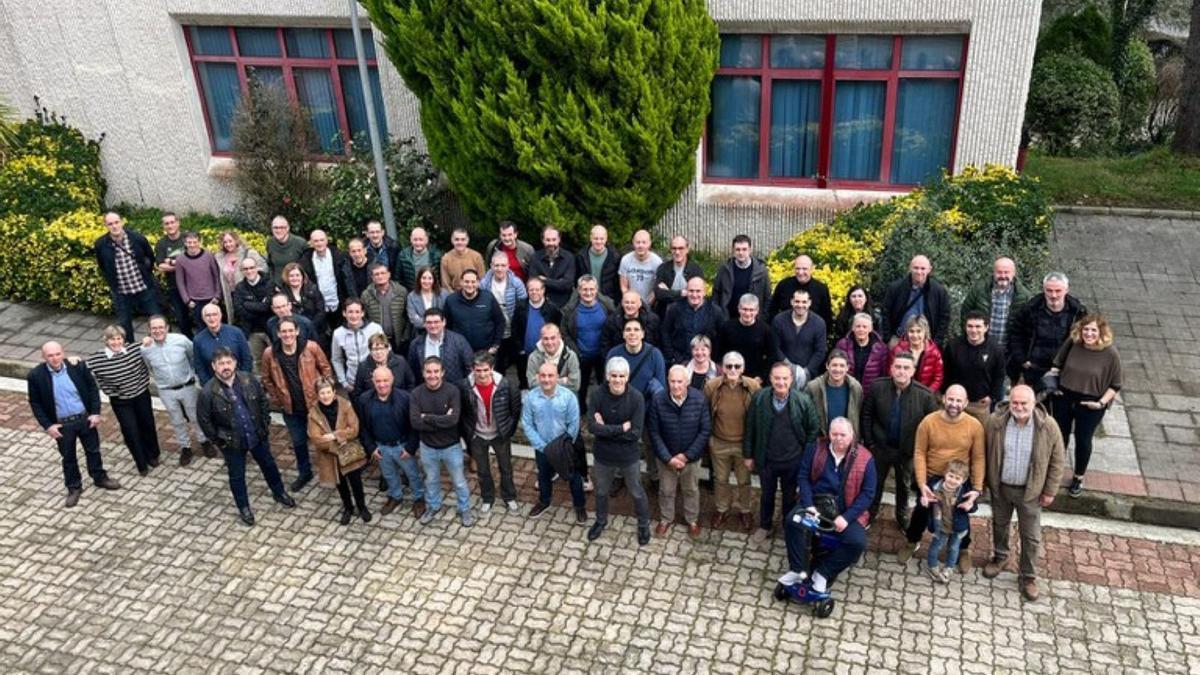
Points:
(733, 128)
(306, 43)
(925, 119)
(222, 92)
(795, 127)
(858, 130)
(863, 52)
(741, 51)
(314, 89)
(211, 41)
(343, 43)
(931, 52)
(356, 107)
(258, 42)
(797, 51)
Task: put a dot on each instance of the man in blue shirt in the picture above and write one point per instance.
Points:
(549, 412)
(215, 336)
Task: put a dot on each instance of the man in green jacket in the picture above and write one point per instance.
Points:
(419, 253)
(998, 297)
(780, 424)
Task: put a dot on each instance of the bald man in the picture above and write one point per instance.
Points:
(1025, 463)
(802, 280)
(998, 297)
(638, 268)
(917, 293)
(942, 437)
(600, 260)
(322, 262)
(419, 253)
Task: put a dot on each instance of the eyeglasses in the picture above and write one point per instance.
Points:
(678, 248)
(734, 366)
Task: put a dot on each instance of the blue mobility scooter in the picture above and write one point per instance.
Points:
(824, 540)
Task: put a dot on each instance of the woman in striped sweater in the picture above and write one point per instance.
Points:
(122, 375)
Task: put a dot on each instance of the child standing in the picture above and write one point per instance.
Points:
(948, 523)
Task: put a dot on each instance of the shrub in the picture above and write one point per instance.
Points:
(1136, 85)
(1086, 33)
(353, 199)
(43, 187)
(1073, 106)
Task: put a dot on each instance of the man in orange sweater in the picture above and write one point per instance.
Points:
(942, 437)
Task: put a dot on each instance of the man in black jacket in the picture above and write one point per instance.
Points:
(802, 280)
(234, 414)
(556, 265)
(602, 261)
(916, 293)
(631, 307)
(252, 306)
(693, 315)
(1039, 328)
(672, 276)
(66, 402)
(749, 335)
(356, 268)
(474, 315)
(126, 261)
(530, 314)
(381, 248)
(892, 409)
(976, 362)
(741, 274)
(490, 409)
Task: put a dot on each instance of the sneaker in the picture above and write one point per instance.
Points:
(580, 515)
(538, 509)
(513, 506)
(1076, 488)
(468, 518)
(428, 516)
(185, 456)
(791, 578)
(485, 508)
(907, 550)
(937, 575)
(587, 486)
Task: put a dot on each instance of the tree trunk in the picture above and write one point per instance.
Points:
(1187, 125)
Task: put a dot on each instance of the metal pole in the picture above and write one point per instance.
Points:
(385, 194)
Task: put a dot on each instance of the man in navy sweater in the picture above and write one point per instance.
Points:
(802, 338)
(385, 432)
(476, 316)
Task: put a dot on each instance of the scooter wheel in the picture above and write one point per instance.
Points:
(780, 592)
(823, 609)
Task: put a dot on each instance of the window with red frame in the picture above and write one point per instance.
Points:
(868, 111)
(316, 66)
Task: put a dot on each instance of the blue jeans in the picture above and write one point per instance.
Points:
(798, 538)
(297, 426)
(392, 464)
(940, 539)
(432, 460)
(235, 462)
(126, 306)
(545, 476)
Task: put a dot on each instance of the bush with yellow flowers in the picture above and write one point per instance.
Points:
(961, 222)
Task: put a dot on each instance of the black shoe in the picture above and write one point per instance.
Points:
(108, 483)
(643, 535)
(364, 514)
(538, 509)
(1076, 488)
(144, 470)
(286, 500)
(209, 449)
(595, 531)
(247, 516)
(185, 456)
(153, 462)
(344, 519)
(299, 483)
(580, 515)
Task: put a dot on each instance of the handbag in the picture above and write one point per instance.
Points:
(349, 453)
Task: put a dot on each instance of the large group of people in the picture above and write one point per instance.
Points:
(417, 360)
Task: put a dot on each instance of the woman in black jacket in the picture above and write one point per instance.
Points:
(304, 296)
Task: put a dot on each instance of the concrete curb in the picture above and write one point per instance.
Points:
(1133, 212)
(1143, 510)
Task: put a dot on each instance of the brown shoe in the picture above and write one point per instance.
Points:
(760, 535)
(389, 506)
(718, 519)
(73, 497)
(108, 483)
(964, 563)
(1029, 590)
(746, 521)
(694, 530)
(993, 568)
(662, 528)
(418, 508)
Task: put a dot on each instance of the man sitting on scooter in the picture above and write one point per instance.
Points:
(837, 482)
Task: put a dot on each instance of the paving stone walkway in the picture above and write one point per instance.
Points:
(160, 577)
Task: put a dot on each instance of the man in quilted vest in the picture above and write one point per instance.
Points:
(841, 467)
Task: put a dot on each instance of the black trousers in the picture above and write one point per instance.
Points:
(351, 484)
(901, 467)
(79, 431)
(136, 418)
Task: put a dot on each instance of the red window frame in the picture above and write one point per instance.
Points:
(829, 76)
(284, 62)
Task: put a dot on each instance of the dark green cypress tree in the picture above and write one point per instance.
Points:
(563, 112)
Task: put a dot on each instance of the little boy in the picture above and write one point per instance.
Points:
(948, 523)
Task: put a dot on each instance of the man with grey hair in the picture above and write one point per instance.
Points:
(748, 333)
(672, 276)
(1039, 328)
(169, 357)
(728, 400)
(617, 414)
(283, 247)
(679, 429)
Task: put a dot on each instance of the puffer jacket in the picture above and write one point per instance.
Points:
(373, 306)
(506, 407)
(676, 429)
(931, 371)
(878, 359)
(406, 270)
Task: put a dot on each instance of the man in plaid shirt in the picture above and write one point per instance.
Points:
(126, 260)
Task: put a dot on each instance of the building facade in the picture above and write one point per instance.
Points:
(816, 106)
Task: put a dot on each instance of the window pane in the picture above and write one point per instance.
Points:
(797, 51)
(864, 52)
(343, 43)
(356, 109)
(925, 120)
(858, 130)
(211, 41)
(795, 126)
(931, 52)
(733, 128)
(258, 42)
(741, 51)
(221, 91)
(308, 43)
(267, 75)
(314, 89)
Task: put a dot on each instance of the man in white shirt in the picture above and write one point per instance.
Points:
(321, 263)
(168, 357)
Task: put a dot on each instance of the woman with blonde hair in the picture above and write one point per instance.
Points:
(231, 251)
(121, 373)
(1089, 376)
(340, 458)
(926, 355)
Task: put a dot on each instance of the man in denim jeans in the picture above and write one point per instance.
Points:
(434, 410)
(549, 412)
(384, 430)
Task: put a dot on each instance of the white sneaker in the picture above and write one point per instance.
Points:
(513, 506)
(588, 487)
(485, 508)
(791, 578)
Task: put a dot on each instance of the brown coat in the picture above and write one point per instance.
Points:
(313, 364)
(1046, 462)
(325, 458)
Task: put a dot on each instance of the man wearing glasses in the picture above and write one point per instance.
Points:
(252, 306)
(728, 400)
(283, 247)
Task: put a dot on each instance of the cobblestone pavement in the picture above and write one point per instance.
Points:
(1146, 280)
(161, 577)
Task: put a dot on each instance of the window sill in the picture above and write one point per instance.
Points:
(837, 199)
(224, 166)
